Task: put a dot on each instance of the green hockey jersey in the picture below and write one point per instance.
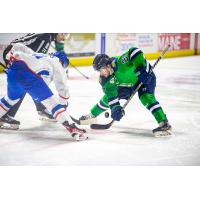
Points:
(124, 72)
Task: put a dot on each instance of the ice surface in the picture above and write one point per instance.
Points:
(128, 142)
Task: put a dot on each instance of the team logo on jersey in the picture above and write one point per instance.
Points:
(124, 58)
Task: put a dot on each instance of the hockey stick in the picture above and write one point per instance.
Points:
(107, 126)
(2, 65)
(78, 71)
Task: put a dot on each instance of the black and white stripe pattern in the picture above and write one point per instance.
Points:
(101, 106)
(134, 52)
(154, 107)
(148, 66)
(38, 42)
(27, 37)
(113, 101)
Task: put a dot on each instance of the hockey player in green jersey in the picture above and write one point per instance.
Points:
(119, 76)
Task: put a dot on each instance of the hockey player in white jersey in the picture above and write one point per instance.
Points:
(39, 43)
(27, 73)
(49, 71)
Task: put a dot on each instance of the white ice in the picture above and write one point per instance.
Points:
(128, 142)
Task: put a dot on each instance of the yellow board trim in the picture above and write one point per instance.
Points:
(89, 60)
(82, 61)
(171, 54)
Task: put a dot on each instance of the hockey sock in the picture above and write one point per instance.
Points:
(99, 108)
(6, 104)
(57, 110)
(150, 102)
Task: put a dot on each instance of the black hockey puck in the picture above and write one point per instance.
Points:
(107, 114)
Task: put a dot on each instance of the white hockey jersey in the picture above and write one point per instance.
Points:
(47, 66)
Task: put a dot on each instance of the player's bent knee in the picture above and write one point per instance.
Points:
(147, 99)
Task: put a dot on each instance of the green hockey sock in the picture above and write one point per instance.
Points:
(100, 107)
(150, 102)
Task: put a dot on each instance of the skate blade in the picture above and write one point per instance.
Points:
(47, 119)
(9, 126)
(78, 138)
(167, 133)
(82, 138)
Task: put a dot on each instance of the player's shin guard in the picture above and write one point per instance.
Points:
(53, 106)
(150, 102)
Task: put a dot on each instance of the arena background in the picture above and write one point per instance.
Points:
(81, 47)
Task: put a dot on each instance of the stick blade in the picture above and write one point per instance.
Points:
(100, 126)
(94, 126)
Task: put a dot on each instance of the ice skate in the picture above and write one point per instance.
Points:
(164, 130)
(87, 119)
(44, 115)
(9, 123)
(77, 133)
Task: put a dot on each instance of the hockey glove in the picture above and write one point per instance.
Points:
(117, 113)
(62, 57)
(143, 75)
